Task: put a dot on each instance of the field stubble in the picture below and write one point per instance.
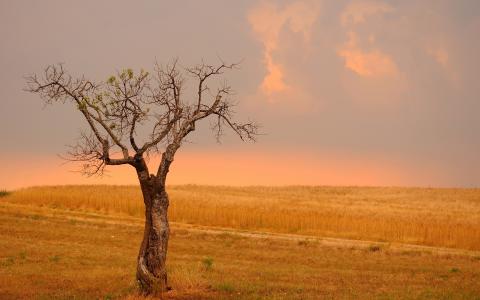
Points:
(54, 253)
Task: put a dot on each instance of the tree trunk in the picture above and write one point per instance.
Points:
(151, 269)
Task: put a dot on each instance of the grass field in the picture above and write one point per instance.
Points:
(81, 243)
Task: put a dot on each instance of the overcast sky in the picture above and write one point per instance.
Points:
(348, 92)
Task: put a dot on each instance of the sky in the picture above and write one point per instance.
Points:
(348, 92)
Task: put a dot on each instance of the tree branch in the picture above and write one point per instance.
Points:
(118, 109)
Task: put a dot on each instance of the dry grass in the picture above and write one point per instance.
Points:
(50, 253)
(434, 217)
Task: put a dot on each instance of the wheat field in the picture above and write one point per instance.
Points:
(424, 216)
(54, 253)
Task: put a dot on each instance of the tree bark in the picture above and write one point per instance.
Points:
(151, 268)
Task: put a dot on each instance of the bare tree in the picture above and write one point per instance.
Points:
(118, 110)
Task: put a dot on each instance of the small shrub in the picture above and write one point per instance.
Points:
(303, 243)
(8, 262)
(207, 263)
(225, 287)
(4, 193)
(55, 258)
(374, 248)
(23, 255)
(108, 297)
(454, 270)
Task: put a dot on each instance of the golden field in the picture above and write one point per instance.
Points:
(58, 253)
(423, 216)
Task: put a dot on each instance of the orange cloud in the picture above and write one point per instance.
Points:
(440, 55)
(273, 81)
(366, 63)
(267, 21)
(357, 11)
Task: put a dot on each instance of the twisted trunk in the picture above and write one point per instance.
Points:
(151, 268)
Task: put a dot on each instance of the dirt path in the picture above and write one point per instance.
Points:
(328, 242)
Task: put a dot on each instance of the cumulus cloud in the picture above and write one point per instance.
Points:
(371, 62)
(267, 21)
(366, 63)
